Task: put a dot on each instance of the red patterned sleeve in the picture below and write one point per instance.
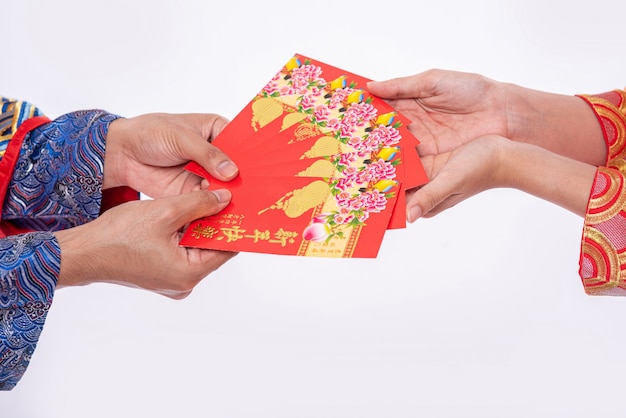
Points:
(603, 248)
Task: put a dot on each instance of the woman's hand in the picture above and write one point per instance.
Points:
(493, 161)
(450, 108)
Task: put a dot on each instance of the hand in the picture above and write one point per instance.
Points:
(448, 108)
(136, 244)
(451, 108)
(455, 176)
(148, 153)
(493, 161)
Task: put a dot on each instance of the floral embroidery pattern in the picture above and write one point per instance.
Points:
(340, 110)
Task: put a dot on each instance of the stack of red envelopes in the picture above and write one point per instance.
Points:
(323, 167)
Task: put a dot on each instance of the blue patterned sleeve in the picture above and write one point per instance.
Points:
(57, 181)
(29, 268)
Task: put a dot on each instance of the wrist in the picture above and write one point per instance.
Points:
(534, 170)
(563, 124)
(114, 172)
(79, 262)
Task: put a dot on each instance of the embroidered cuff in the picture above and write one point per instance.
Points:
(57, 182)
(29, 269)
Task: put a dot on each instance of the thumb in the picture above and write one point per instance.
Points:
(414, 86)
(188, 207)
(196, 145)
(429, 200)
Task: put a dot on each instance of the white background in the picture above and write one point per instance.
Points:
(478, 312)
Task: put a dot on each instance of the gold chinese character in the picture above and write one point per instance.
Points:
(260, 235)
(203, 232)
(283, 237)
(233, 234)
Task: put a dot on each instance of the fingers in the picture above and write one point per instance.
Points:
(415, 86)
(181, 209)
(432, 199)
(198, 147)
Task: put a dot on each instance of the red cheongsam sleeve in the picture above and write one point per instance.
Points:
(603, 247)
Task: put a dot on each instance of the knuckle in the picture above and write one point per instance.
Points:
(207, 199)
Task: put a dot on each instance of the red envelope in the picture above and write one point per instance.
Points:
(295, 216)
(323, 164)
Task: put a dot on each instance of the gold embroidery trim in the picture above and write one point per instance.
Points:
(603, 279)
(615, 192)
(616, 114)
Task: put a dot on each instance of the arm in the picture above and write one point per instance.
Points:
(493, 161)
(451, 108)
(137, 244)
(68, 166)
(560, 123)
(29, 269)
(597, 194)
(57, 179)
(134, 244)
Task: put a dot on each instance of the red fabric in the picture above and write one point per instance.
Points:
(117, 196)
(7, 165)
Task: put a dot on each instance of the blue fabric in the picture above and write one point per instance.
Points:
(29, 267)
(56, 184)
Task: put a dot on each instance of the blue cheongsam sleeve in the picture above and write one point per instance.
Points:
(57, 180)
(29, 269)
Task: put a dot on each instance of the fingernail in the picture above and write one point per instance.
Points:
(414, 213)
(222, 195)
(227, 169)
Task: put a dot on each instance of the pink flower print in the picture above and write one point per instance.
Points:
(346, 159)
(350, 173)
(373, 201)
(322, 112)
(362, 112)
(356, 142)
(307, 102)
(343, 219)
(338, 97)
(354, 203)
(365, 176)
(344, 211)
(386, 135)
(367, 144)
(315, 91)
(346, 131)
(343, 198)
(300, 85)
(271, 87)
(286, 91)
(309, 73)
(344, 183)
(333, 124)
(363, 216)
(382, 169)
